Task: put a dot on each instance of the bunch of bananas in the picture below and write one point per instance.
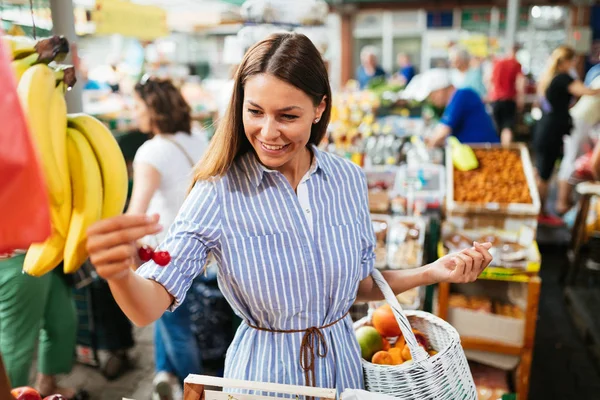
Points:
(82, 163)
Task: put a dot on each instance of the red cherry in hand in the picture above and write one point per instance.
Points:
(145, 253)
(162, 258)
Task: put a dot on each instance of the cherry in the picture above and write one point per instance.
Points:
(145, 253)
(162, 258)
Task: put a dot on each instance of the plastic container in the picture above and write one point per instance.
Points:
(422, 183)
(405, 246)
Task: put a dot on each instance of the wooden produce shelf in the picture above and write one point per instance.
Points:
(525, 351)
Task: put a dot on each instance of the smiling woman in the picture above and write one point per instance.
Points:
(288, 224)
(280, 103)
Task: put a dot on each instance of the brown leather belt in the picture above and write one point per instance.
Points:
(313, 344)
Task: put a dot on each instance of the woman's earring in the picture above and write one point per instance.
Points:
(317, 120)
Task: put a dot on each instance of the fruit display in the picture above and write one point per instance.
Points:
(82, 163)
(509, 250)
(29, 393)
(491, 382)
(380, 227)
(406, 241)
(382, 342)
(500, 179)
(486, 305)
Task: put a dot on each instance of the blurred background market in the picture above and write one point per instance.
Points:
(405, 76)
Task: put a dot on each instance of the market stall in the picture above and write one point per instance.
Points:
(497, 202)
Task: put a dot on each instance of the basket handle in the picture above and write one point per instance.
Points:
(417, 352)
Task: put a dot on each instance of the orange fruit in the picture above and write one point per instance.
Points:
(383, 358)
(386, 345)
(385, 322)
(396, 354)
(400, 343)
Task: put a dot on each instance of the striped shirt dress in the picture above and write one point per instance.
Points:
(278, 269)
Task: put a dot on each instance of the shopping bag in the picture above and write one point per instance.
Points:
(24, 207)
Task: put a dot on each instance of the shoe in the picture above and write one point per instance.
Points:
(176, 388)
(162, 386)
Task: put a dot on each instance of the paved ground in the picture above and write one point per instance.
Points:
(135, 384)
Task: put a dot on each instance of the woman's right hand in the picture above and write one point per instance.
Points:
(111, 243)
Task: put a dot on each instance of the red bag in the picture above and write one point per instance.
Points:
(24, 204)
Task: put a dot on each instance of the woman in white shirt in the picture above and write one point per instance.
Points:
(162, 170)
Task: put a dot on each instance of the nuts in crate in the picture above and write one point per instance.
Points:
(500, 179)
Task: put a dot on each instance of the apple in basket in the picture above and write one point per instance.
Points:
(25, 393)
(369, 340)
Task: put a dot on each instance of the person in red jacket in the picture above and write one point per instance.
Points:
(507, 94)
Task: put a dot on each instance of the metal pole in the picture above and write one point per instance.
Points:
(512, 19)
(63, 23)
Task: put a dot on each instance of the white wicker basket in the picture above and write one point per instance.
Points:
(445, 376)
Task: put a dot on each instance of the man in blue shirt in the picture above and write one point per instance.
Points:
(464, 116)
(407, 70)
(369, 69)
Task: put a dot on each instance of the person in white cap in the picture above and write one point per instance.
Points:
(464, 115)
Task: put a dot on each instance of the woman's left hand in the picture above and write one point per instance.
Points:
(462, 267)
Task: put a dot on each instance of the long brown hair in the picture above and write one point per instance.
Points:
(294, 59)
(559, 56)
(169, 112)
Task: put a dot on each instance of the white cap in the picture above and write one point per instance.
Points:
(421, 86)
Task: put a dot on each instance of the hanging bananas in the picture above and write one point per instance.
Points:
(82, 163)
(87, 197)
(35, 92)
(110, 158)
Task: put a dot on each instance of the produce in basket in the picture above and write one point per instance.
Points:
(369, 340)
(385, 322)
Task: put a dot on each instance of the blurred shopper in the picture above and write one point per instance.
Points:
(36, 310)
(161, 173)
(507, 94)
(555, 91)
(464, 115)
(585, 115)
(406, 70)
(466, 71)
(369, 67)
(592, 74)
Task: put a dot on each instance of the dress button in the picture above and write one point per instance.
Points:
(308, 210)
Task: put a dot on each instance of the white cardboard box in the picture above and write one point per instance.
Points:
(487, 326)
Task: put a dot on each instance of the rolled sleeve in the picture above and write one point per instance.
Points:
(195, 232)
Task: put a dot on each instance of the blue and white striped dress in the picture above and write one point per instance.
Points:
(274, 272)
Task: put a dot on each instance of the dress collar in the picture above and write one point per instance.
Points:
(256, 171)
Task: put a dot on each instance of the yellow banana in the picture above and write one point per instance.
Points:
(61, 215)
(110, 158)
(19, 46)
(35, 92)
(20, 66)
(86, 183)
(44, 257)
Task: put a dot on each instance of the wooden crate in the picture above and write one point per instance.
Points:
(195, 389)
(508, 217)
